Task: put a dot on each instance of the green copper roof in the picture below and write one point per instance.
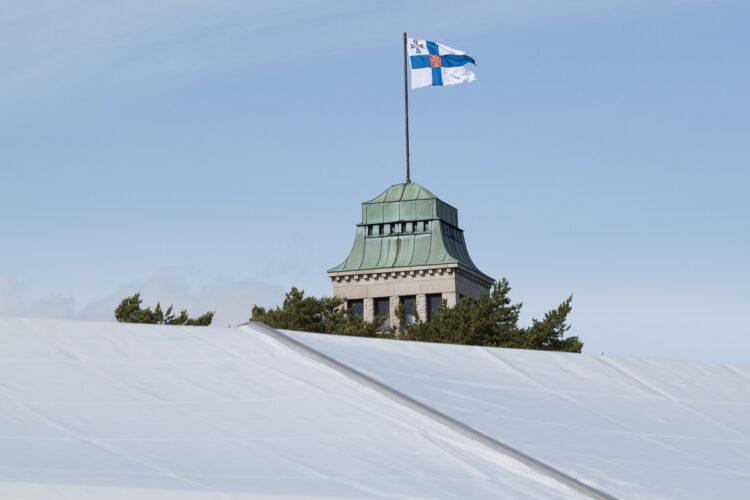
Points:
(405, 226)
(405, 192)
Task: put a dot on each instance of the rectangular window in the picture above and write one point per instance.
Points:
(410, 308)
(369, 230)
(383, 310)
(356, 307)
(433, 303)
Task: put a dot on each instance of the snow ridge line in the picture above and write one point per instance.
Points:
(423, 409)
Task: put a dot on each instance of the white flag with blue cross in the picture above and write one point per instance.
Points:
(437, 64)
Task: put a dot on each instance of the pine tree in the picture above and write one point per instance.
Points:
(493, 321)
(312, 314)
(549, 333)
(129, 311)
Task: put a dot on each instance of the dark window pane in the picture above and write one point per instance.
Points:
(410, 308)
(433, 302)
(356, 307)
(382, 309)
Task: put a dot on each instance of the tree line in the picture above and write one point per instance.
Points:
(492, 320)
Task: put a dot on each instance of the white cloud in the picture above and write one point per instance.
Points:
(14, 302)
(231, 299)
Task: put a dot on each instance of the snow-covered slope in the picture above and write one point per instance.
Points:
(107, 410)
(634, 428)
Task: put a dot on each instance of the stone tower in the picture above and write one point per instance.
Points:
(408, 249)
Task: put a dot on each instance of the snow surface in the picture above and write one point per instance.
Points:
(108, 410)
(635, 428)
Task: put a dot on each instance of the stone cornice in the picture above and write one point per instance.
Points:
(400, 273)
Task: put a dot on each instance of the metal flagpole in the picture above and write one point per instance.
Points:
(406, 111)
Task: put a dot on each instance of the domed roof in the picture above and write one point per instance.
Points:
(403, 192)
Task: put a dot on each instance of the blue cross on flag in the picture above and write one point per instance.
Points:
(436, 64)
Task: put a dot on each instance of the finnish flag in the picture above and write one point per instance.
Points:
(436, 64)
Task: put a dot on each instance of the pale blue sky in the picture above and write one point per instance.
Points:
(213, 154)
